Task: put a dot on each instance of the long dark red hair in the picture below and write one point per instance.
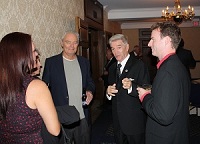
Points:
(16, 60)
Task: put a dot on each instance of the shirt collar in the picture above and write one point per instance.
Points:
(110, 58)
(123, 63)
(162, 60)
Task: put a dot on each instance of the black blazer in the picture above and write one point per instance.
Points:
(126, 108)
(168, 105)
(54, 77)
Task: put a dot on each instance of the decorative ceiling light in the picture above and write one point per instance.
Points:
(178, 15)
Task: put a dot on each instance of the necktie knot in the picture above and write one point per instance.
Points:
(119, 65)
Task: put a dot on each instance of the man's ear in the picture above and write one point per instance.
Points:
(167, 40)
(127, 47)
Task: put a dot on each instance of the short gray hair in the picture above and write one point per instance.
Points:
(118, 37)
(71, 32)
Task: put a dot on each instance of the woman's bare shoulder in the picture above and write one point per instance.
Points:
(37, 86)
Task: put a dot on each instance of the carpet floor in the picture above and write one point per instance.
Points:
(102, 128)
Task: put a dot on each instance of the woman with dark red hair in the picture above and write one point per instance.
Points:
(25, 102)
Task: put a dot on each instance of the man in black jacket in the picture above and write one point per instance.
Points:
(67, 75)
(129, 120)
(110, 60)
(186, 57)
(166, 104)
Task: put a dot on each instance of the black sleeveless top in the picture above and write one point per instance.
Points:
(22, 124)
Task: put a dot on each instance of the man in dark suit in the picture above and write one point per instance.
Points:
(167, 103)
(110, 60)
(129, 119)
(186, 57)
(67, 75)
(137, 52)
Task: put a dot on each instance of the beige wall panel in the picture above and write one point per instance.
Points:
(132, 36)
(45, 20)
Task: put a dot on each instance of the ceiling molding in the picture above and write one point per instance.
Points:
(136, 25)
(140, 13)
(133, 13)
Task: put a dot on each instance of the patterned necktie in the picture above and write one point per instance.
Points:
(118, 70)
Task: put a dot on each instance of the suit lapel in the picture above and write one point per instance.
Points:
(113, 73)
(60, 69)
(126, 70)
(127, 67)
(59, 64)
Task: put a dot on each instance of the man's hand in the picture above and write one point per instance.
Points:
(142, 92)
(111, 90)
(89, 97)
(127, 84)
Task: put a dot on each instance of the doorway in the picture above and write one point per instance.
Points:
(96, 60)
(147, 57)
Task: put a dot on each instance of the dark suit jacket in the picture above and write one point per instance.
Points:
(186, 58)
(167, 105)
(54, 77)
(126, 108)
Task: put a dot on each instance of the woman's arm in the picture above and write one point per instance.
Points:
(39, 97)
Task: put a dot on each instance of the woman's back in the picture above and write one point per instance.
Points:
(22, 124)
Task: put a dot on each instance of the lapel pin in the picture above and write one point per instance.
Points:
(126, 70)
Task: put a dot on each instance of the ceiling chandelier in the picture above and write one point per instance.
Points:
(178, 15)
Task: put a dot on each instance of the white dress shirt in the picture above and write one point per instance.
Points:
(123, 63)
